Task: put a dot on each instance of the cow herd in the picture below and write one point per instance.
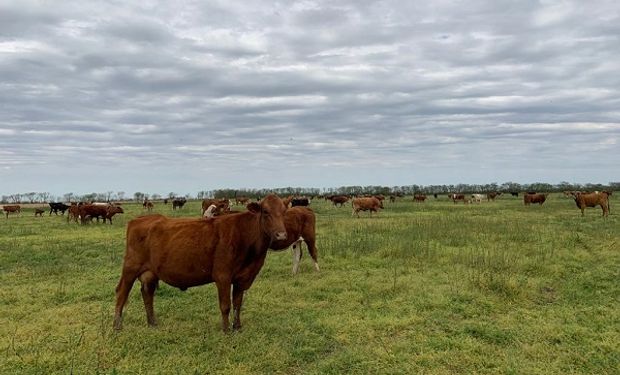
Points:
(229, 247)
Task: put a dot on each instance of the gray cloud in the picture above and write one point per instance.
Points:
(187, 96)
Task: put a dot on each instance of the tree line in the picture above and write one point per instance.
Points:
(109, 196)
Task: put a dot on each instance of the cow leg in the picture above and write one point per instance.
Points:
(312, 250)
(237, 302)
(223, 292)
(296, 256)
(149, 285)
(122, 292)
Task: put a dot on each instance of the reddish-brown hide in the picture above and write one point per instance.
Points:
(228, 250)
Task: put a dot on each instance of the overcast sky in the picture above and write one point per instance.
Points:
(185, 96)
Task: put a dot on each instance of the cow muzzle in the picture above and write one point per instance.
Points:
(280, 236)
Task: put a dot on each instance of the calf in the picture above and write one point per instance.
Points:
(370, 204)
(583, 200)
(229, 250)
(38, 212)
(300, 226)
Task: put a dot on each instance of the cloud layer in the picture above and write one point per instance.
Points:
(189, 96)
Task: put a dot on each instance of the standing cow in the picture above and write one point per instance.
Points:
(534, 198)
(370, 204)
(300, 226)
(584, 200)
(229, 250)
(12, 209)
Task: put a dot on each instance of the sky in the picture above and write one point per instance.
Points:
(185, 96)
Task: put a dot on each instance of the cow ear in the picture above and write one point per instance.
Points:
(254, 207)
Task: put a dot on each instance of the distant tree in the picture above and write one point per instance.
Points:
(120, 195)
(69, 197)
(43, 197)
(138, 196)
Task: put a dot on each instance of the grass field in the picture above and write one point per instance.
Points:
(421, 288)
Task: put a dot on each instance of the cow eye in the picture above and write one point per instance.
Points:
(266, 212)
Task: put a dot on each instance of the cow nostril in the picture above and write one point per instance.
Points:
(280, 235)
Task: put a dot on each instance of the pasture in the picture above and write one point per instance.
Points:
(421, 288)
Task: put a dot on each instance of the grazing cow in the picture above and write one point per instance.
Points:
(111, 211)
(229, 250)
(58, 206)
(300, 201)
(392, 198)
(492, 195)
(514, 193)
(419, 198)
(534, 198)
(339, 200)
(477, 198)
(584, 200)
(38, 212)
(370, 204)
(178, 203)
(148, 205)
(166, 201)
(457, 197)
(12, 209)
(220, 205)
(300, 226)
(435, 196)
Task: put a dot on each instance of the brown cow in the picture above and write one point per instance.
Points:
(492, 195)
(220, 204)
(300, 226)
(38, 212)
(457, 197)
(584, 200)
(228, 250)
(111, 211)
(339, 200)
(12, 209)
(370, 204)
(534, 198)
(420, 198)
(88, 212)
(74, 212)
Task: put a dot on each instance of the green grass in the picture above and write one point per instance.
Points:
(421, 288)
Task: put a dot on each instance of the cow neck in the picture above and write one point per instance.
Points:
(258, 240)
(266, 237)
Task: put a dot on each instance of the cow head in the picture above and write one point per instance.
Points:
(271, 210)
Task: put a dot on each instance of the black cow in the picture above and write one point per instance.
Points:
(302, 201)
(58, 206)
(178, 202)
